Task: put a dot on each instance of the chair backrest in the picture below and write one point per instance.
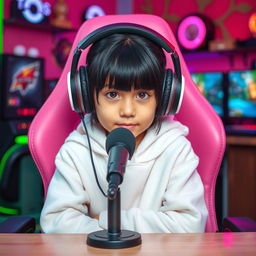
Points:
(56, 120)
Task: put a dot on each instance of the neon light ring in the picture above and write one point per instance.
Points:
(192, 32)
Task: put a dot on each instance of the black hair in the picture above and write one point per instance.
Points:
(126, 61)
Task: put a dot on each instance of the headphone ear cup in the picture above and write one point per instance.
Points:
(166, 93)
(72, 93)
(178, 86)
(172, 93)
(85, 90)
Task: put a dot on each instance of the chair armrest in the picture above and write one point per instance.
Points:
(18, 224)
(238, 224)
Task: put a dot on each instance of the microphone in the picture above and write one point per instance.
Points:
(120, 145)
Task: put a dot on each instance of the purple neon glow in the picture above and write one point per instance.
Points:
(191, 33)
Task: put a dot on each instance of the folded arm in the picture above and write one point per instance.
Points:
(66, 206)
(183, 207)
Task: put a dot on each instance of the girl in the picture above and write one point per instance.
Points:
(161, 191)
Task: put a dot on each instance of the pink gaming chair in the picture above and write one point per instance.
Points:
(56, 120)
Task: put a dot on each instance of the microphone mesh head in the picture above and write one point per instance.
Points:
(121, 136)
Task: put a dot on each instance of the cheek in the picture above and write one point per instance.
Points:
(104, 117)
(150, 119)
(148, 116)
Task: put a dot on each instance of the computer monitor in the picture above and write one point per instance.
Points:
(21, 87)
(242, 97)
(211, 85)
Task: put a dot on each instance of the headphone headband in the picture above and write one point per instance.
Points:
(125, 28)
(132, 28)
(116, 28)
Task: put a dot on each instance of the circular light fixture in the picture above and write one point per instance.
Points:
(34, 11)
(93, 11)
(194, 31)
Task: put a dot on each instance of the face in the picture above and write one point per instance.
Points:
(133, 110)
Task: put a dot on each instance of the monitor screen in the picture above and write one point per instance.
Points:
(242, 94)
(22, 85)
(211, 85)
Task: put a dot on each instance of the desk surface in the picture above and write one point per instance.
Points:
(152, 244)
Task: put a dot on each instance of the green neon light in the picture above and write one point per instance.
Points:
(21, 139)
(1, 25)
(8, 211)
(6, 156)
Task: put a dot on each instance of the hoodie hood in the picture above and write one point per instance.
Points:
(96, 134)
(152, 145)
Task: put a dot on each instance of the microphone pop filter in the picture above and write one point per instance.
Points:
(123, 137)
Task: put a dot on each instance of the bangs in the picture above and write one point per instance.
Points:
(131, 70)
(126, 65)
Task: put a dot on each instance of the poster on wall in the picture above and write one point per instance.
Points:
(21, 87)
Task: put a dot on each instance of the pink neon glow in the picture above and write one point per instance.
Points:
(228, 240)
(195, 23)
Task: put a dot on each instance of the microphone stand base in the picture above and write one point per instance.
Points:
(105, 239)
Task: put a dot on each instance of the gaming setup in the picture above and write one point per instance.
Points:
(23, 90)
(21, 96)
(233, 96)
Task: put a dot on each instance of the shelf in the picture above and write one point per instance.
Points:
(244, 52)
(41, 26)
(241, 50)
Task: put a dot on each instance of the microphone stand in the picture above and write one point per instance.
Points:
(114, 237)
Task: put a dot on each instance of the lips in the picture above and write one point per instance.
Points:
(127, 126)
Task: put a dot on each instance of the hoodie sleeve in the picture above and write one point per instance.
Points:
(65, 209)
(183, 207)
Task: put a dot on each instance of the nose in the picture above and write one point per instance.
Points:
(127, 108)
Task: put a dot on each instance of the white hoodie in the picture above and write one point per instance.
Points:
(161, 190)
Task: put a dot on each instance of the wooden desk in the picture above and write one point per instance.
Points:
(210, 244)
